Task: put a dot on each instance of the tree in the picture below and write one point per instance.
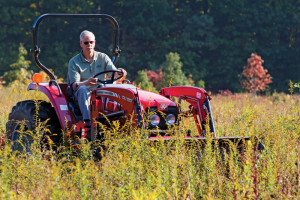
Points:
(155, 77)
(173, 74)
(17, 18)
(143, 82)
(19, 70)
(256, 77)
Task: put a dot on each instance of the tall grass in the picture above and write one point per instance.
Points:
(134, 168)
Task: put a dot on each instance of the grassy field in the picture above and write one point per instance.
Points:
(134, 169)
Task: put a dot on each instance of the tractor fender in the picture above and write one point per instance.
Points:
(59, 103)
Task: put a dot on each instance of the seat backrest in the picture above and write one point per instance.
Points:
(64, 88)
(71, 100)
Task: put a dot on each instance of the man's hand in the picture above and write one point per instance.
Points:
(124, 73)
(91, 81)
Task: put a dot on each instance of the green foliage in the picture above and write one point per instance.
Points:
(292, 87)
(143, 82)
(19, 70)
(21, 61)
(198, 37)
(200, 84)
(173, 74)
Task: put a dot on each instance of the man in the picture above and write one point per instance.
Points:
(81, 70)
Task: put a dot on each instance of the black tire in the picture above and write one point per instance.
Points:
(23, 120)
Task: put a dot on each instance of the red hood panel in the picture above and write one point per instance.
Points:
(150, 99)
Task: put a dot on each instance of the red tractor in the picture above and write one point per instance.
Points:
(156, 113)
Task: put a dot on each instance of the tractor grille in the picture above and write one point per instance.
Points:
(162, 125)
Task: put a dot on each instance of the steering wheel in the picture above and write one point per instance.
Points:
(112, 79)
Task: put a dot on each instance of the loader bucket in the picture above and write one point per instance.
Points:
(222, 144)
(238, 142)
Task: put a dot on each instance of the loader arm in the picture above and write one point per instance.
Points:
(200, 105)
(199, 99)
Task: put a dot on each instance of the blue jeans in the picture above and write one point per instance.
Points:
(83, 97)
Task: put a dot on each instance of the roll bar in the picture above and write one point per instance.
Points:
(36, 50)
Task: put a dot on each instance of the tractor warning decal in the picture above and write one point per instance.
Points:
(198, 95)
(63, 107)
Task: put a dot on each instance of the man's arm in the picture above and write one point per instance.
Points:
(110, 66)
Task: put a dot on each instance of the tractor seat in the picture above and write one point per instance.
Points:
(68, 93)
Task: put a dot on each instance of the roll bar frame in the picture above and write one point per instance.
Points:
(36, 50)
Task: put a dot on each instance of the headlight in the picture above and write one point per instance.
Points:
(154, 120)
(170, 119)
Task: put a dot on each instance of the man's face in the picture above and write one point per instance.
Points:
(88, 44)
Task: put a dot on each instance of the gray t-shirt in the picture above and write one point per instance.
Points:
(80, 69)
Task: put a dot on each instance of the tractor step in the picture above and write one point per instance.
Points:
(111, 115)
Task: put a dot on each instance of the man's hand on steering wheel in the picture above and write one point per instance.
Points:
(123, 74)
(116, 75)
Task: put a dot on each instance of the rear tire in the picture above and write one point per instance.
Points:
(23, 120)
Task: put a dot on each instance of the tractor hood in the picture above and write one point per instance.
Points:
(150, 99)
(147, 99)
